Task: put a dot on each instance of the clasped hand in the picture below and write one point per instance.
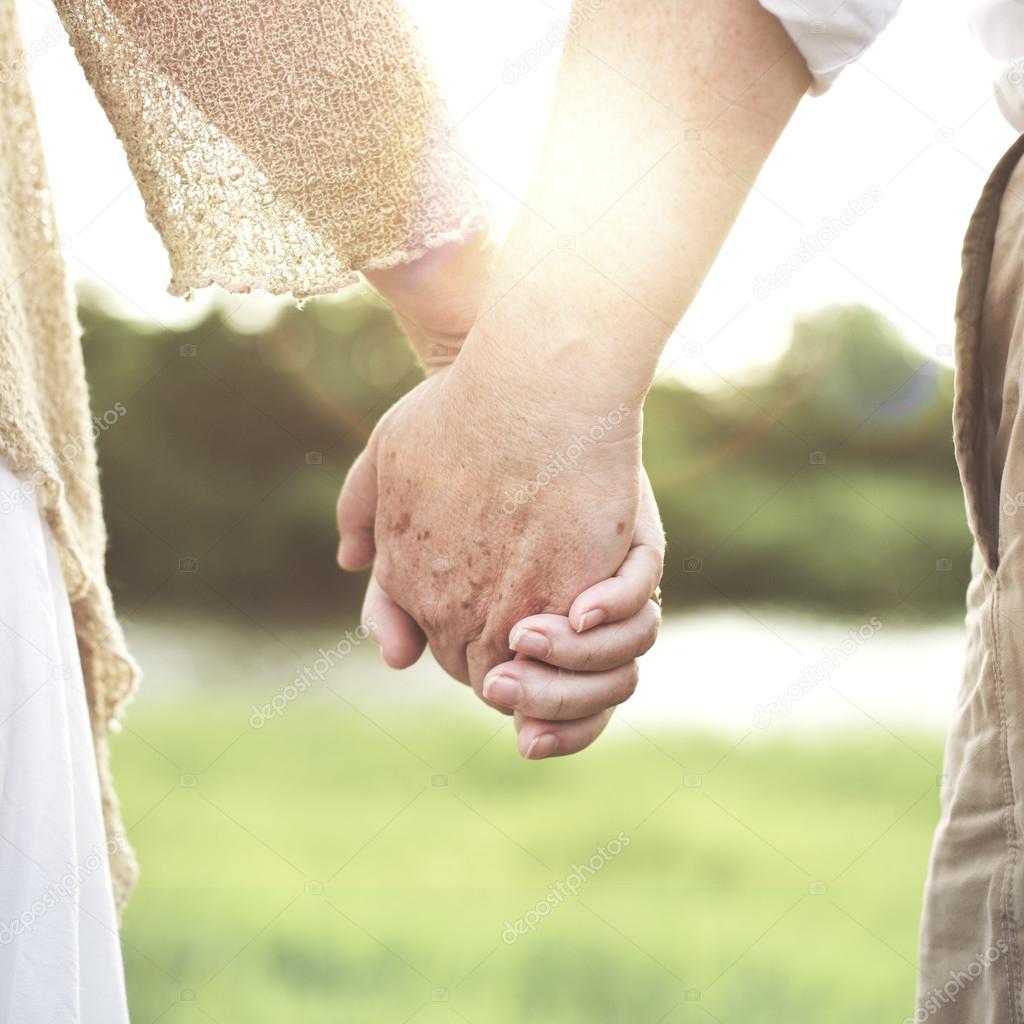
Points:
(521, 543)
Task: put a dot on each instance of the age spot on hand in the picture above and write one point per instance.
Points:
(401, 524)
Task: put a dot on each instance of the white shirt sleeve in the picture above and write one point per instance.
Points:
(831, 34)
(999, 27)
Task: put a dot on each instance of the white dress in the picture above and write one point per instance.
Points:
(60, 958)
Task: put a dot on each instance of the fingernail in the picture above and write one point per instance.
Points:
(502, 690)
(541, 747)
(588, 620)
(529, 642)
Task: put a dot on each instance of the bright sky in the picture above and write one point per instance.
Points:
(913, 127)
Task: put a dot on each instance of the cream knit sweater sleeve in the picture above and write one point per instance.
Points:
(279, 146)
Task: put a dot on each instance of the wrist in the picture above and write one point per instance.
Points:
(435, 350)
(540, 409)
(563, 338)
(437, 297)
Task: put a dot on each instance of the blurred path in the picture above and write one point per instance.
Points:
(725, 671)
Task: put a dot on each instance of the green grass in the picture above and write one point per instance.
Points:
(332, 868)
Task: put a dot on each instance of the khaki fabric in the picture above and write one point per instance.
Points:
(971, 938)
(280, 147)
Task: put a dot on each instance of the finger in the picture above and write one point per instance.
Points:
(357, 509)
(452, 658)
(621, 596)
(631, 587)
(537, 690)
(401, 640)
(540, 739)
(552, 639)
(481, 656)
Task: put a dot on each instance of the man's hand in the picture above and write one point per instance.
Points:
(563, 702)
(569, 672)
(476, 510)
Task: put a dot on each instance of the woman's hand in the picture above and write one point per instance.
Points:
(437, 298)
(569, 672)
(477, 508)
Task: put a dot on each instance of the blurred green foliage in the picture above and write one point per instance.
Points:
(332, 867)
(826, 483)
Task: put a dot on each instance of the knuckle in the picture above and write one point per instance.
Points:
(630, 680)
(558, 702)
(384, 570)
(451, 658)
(655, 562)
(649, 638)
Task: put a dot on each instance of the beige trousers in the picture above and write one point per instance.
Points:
(971, 963)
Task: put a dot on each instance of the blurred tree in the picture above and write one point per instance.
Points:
(828, 483)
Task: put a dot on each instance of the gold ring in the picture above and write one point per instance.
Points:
(656, 596)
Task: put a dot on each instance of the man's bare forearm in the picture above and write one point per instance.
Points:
(663, 114)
